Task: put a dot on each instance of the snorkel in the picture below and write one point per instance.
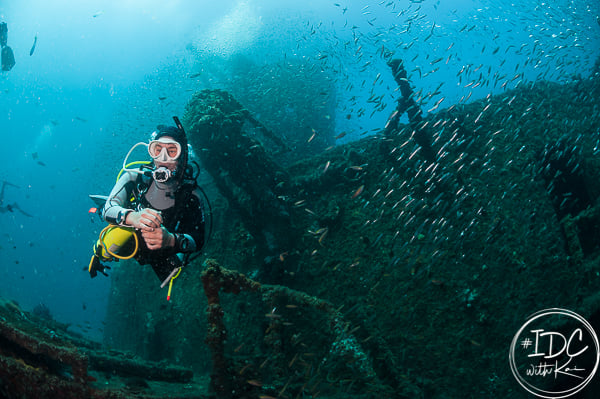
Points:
(185, 148)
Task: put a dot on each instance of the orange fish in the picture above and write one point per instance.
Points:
(358, 191)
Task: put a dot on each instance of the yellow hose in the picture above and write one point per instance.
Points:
(132, 164)
(171, 283)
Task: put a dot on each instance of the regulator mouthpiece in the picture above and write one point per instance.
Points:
(161, 174)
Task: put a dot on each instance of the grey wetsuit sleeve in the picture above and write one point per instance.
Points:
(117, 205)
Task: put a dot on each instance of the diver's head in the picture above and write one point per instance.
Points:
(165, 151)
(169, 150)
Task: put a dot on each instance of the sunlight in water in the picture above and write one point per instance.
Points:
(237, 30)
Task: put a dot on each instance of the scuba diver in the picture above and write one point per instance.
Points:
(9, 207)
(158, 204)
(8, 58)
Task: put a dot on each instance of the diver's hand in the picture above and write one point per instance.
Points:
(145, 220)
(158, 238)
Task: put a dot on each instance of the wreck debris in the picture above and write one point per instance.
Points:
(344, 346)
(135, 368)
(581, 233)
(569, 225)
(38, 360)
(407, 103)
(232, 146)
(55, 355)
(563, 171)
(215, 279)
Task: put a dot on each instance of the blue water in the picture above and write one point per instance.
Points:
(102, 76)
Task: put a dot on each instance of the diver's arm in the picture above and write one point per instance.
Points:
(145, 219)
(158, 238)
(161, 238)
(188, 237)
(116, 208)
(184, 243)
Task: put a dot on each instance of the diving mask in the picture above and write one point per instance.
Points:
(164, 150)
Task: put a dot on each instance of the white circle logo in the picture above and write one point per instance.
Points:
(555, 354)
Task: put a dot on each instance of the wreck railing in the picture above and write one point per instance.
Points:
(224, 380)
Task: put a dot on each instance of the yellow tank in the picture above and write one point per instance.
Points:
(114, 242)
